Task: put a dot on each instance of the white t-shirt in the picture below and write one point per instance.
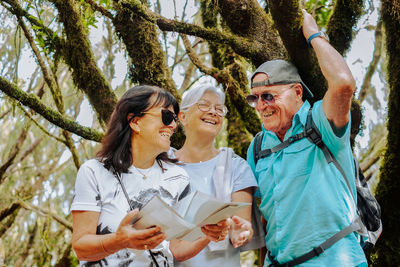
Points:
(97, 189)
(201, 179)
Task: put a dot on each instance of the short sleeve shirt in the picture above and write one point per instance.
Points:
(97, 189)
(304, 199)
(201, 179)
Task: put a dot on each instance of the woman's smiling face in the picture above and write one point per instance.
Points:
(197, 119)
(152, 131)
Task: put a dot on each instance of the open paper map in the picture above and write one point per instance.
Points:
(185, 220)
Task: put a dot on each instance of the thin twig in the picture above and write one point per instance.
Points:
(54, 117)
(48, 213)
(100, 9)
(27, 114)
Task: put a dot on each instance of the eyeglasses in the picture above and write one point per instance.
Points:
(267, 98)
(167, 116)
(206, 106)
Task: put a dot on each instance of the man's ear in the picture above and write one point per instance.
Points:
(299, 90)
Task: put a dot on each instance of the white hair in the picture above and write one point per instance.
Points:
(193, 95)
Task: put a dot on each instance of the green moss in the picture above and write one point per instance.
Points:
(178, 139)
(77, 53)
(238, 137)
(33, 102)
(238, 93)
(356, 120)
(247, 19)
(388, 247)
(241, 117)
(341, 24)
(149, 62)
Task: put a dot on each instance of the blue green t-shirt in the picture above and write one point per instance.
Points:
(304, 199)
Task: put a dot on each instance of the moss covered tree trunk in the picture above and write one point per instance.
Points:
(242, 119)
(149, 61)
(387, 192)
(79, 56)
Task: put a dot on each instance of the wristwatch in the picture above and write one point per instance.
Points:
(317, 34)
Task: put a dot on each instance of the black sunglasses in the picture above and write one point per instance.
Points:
(167, 116)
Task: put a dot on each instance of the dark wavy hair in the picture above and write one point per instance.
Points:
(116, 149)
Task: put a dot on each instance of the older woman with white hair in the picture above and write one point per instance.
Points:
(217, 172)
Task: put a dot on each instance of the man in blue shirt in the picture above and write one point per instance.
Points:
(305, 200)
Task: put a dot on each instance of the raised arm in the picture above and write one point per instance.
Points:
(341, 84)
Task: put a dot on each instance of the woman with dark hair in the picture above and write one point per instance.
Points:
(131, 167)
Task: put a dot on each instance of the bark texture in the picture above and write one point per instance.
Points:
(78, 55)
(388, 246)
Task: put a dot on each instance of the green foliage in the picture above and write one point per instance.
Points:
(88, 16)
(321, 10)
(106, 3)
(46, 42)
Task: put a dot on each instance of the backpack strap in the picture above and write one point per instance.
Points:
(266, 152)
(257, 146)
(314, 136)
(317, 250)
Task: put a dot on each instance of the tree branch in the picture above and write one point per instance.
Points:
(387, 191)
(4, 114)
(247, 19)
(211, 71)
(144, 48)
(100, 9)
(289, 19)
(8, 221)
(50, 81)
(374, 153)
(48, 213)
(16, 9)
(52, 116)
(54, 89)
(28, 245)
(65, 260)
(4, 213)
(16, 148)
(341, 23)
(40, 126)
(245, 47)
(78, 55)
(373, 64)
(30, 149)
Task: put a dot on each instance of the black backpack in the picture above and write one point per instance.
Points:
(369, 223)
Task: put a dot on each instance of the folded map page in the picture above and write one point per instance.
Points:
(184, 220)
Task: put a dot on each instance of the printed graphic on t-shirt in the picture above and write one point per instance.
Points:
(96, 187)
